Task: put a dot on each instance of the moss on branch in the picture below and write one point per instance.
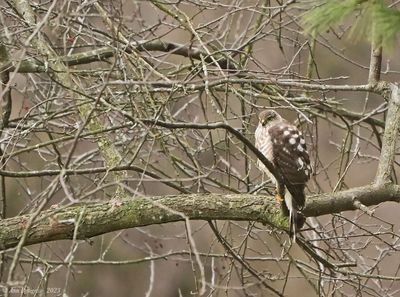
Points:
(100, 218)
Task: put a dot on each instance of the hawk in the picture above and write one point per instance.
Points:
(284, 146)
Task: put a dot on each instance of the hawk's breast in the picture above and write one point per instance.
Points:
(264, 145)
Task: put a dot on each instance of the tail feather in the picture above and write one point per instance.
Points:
(292, 224)
(294, 219)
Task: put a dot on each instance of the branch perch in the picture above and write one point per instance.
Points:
(100, 218)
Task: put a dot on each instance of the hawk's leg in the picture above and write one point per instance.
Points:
(280, 193)
(280, 199)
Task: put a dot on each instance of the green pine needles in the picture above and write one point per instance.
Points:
(374, 20)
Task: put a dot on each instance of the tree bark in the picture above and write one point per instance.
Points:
(100, 218)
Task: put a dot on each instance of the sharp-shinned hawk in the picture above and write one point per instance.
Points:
(284, 146)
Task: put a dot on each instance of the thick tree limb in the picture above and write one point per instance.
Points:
(389, 137)
(375, 65)
(103, 217)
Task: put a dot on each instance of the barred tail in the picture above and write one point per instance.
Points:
(292, 215)
(292, 225)
(295, 222)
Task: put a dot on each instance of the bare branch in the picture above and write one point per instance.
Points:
(389, 137)
(100, 218)
(375, 65)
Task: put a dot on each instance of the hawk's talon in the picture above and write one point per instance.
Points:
(278, 198)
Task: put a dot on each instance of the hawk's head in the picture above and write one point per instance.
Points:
(268, 116)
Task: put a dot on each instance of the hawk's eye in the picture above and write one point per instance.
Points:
(269, 118)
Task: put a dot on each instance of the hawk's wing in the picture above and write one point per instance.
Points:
(291, 159)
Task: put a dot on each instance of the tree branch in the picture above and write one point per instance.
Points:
(374, 74)
(30, 65)
(389, 137)
(100, 218)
